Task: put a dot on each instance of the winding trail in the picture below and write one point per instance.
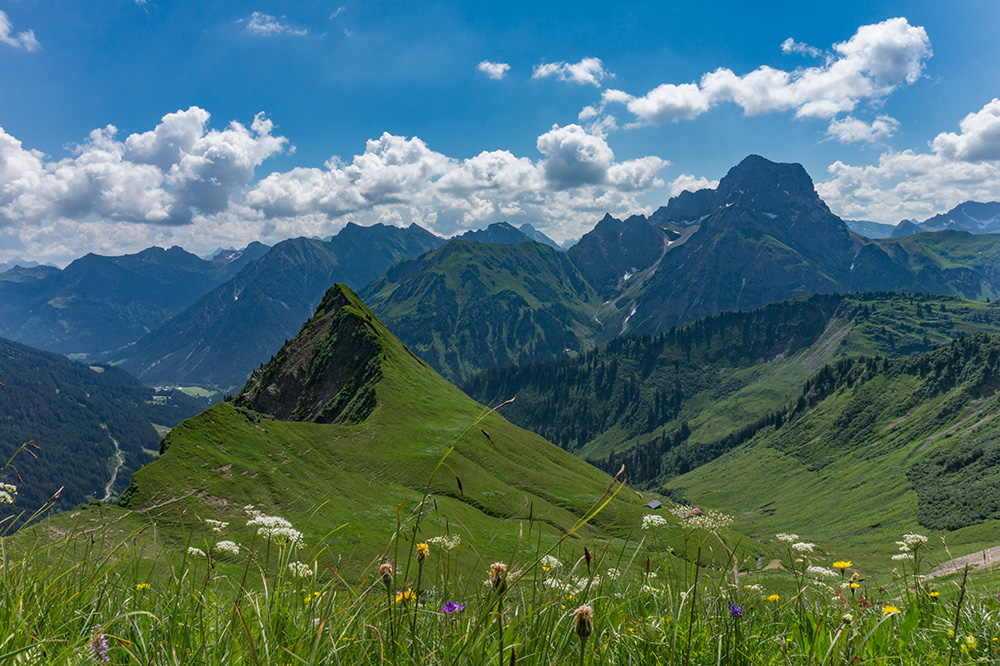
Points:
(984, 559)
(114, 473)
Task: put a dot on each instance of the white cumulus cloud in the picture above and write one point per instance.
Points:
(960, 166)
(260, 24)
(979, 139)
(494, 70)
(163, 176)
(874, 62)
(589, 71)
(854, 130)
(401, 180)
(689, 183)
(22, 40)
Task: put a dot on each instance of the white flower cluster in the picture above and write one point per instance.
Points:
(653, 520)
(216, 525)
(902, 556)
(7, 493)
(821, 571)
(550, 563)
(448, 541)
(273, 528)
(299, 569)
(196, 552)
(228, 547)
(572, 585)
(911, 541)
(789, 538)
(612, 574)
(804, 547)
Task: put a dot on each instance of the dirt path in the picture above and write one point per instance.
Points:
(983, 559)
(118, 465)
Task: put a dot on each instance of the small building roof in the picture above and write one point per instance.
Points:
(653, 504)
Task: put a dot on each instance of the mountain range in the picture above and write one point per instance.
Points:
(971, 216)
(99, 303)
(217, 341)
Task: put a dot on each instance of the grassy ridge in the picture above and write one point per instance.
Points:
(874, 449)
(359, 473)
(708, 380)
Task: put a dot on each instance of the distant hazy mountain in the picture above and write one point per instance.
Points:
(7, 265)
(87, 415)
(500, 233)
(870, 229)
(468, 306)
(537, 236)
(99, 303)
(221, 338)
(971, 216)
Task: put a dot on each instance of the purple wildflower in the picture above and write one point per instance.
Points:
(100, 646)
(735, 611)
(452, 607)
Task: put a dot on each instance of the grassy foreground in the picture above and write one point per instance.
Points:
(84, 600)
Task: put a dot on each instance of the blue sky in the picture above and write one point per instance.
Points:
(127, 124)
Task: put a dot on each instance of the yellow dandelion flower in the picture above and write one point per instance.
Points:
(405, 596)
(935, 594)
(855, 586)
(890, 610)
(842, 565)
(774, 598)
(422, 551)
(142, 586)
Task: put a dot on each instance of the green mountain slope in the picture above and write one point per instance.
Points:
(657, 403)
(80, 412)
(220, 339)
(101, 303)
(469, 306)
(872, 449)
(379, 452)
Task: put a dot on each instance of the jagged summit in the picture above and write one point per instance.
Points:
(328, 372)
(756, 184)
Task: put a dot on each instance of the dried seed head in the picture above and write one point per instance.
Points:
(584, 621)
(498, 576)
(386, 570)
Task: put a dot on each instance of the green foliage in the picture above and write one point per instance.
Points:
(664, 405)
(107, 588)
(79, 412)
(469, 306)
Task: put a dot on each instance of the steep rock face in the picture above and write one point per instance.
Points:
(327, 373)
(615, 248)
(769, 237)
